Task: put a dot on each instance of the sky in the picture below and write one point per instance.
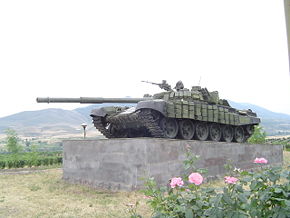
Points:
(73, 48)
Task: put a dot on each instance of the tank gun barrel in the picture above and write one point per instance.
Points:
(89, 100)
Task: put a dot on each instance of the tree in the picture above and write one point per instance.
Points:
(12, 141)
(258, 137)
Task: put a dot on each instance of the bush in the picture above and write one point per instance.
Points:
(258, 137)
(29, 159)
(264, 193)
(12, 141)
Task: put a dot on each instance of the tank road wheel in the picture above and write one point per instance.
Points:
(215, 132)
(201, 131)
(169, 127)
(186, 129)
(227, 133)
(239, 135)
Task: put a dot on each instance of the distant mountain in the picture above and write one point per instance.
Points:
(54, 122)
(34, 123)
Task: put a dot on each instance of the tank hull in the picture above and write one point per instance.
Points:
(179, 119)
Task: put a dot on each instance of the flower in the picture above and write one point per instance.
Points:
(261, 160)
(176, 181)
(195, 178)
(230, 180)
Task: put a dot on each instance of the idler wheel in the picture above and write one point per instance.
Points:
(239, 135)
(169, 127)
(227, 133)
(202, 131)
(186, 129)
(215, 132)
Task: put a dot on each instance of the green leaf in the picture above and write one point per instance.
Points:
(239, 188)
(287, 203)
(188, 213)
(242, 198)
(278, 199)
(253, 185)
(227, 198)
(278, 190)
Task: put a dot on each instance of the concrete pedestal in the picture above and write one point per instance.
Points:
(122, 164)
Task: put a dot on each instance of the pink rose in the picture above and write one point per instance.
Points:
(176, 181)
(195, 178)
(261, 160)
(230, 180)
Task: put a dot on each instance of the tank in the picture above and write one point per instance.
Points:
(182, 113)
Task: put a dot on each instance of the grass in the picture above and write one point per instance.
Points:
(45, 194)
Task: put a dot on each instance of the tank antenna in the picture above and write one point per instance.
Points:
(199, 81)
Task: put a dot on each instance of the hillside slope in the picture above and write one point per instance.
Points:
(42, 122)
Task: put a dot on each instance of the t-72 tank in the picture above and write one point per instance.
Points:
(181, 113)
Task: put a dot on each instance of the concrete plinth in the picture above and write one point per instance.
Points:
(122, 164)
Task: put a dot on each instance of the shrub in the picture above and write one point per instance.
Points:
(12, 141)
(19, 160)
(258, 137)
(263, 193)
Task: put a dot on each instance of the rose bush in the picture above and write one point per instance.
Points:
(263, 193)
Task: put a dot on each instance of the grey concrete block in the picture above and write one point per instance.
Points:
(123, 164)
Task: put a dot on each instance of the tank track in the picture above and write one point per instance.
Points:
(151, 124)
(99, 124)
(144, 118)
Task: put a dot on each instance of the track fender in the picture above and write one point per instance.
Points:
(158, 105)
(98, 112)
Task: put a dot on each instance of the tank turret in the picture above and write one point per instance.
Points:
(175, 113)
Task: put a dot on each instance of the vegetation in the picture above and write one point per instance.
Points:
(18, 156)
(15, 144)
(264, 193)
(258, 137)
(285, 141)
(44, 194)
(12, 144)
(30, 159)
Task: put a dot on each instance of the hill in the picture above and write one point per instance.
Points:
(44, 122)
(56, 122)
